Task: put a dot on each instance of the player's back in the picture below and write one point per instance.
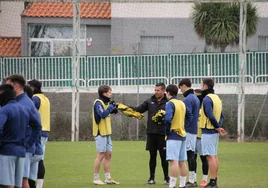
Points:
(13, 138)
(30, 109)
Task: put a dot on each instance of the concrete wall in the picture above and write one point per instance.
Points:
(127, 32)
(125, 128)
(101, 40)
(10, 18)
(130, 21)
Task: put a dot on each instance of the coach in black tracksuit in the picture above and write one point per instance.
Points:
(155, 132)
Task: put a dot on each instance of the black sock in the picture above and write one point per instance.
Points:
(213, 182)
(204, 164)
(152, 163)
(164, 163)
(41, 170)
(31, 183)
(195, 157)
(191, 161)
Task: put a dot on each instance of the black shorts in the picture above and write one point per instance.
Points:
(155, 142)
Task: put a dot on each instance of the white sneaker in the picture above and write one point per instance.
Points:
(111, 181)
(98, 182)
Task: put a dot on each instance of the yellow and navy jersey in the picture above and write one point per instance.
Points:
(211, 112)
(175, 119)
(101, 118)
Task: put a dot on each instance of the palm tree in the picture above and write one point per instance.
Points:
(218, 23)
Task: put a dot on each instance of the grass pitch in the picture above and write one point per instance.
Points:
(70, 165)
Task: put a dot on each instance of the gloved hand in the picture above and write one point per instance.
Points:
(113, 103)
(115, 111)
(159, 117)
(111, 107)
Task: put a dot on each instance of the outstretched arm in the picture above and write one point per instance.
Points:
(143, 107)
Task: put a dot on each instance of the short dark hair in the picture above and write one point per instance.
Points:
(185, 81)
(28, 91)
(35, 84)
(208, 82)
(172, 90)
(16, 78)
(6, 87)
(103, 89)
(9, 92)
(198, 91)
(162, 85)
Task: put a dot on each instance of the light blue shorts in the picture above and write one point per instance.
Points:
(198, 147)
(11, 170)
(103, 143)
(27, 164)
(34, 166)
(209, 143)
(190, 142)
(176, 150)
(43, 143)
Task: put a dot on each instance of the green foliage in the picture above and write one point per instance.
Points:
(218, 23)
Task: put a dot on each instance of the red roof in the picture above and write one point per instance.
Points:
(10, 46)
(65, 9)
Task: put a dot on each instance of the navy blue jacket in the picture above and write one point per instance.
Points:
(193, 104)
(170, 109)
(33, 132)
(208, 109)
(13, 124)
(152, 105)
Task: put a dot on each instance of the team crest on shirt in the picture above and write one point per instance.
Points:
(152, 102)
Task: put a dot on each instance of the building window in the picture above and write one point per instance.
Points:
(263, 43)
(156, 44)
(51, 40)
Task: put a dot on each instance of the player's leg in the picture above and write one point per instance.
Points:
(26, 172)
(40, 174)
(151, 146)
(106, 162)
(41, 165)
(100, 149)
(173, 153)
(190, 148)
(19, 171)
(204, 162)
(182, 163)
(7, 171)
(164, 162)
(205, 170)
(34, 170)
(209, 148)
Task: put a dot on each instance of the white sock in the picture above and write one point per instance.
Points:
(96, 176)
(107, 175)
(205, 177)
(39, 183)
(191, 176)
(182, 181)
(172, 182)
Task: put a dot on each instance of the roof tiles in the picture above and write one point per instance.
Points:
(99, 10)
(10, 46)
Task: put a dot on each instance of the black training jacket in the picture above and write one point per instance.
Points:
(152, 107)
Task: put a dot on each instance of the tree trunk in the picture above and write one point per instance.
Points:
(223, 47)
(206, 48)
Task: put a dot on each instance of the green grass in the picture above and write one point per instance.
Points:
(70, 165)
